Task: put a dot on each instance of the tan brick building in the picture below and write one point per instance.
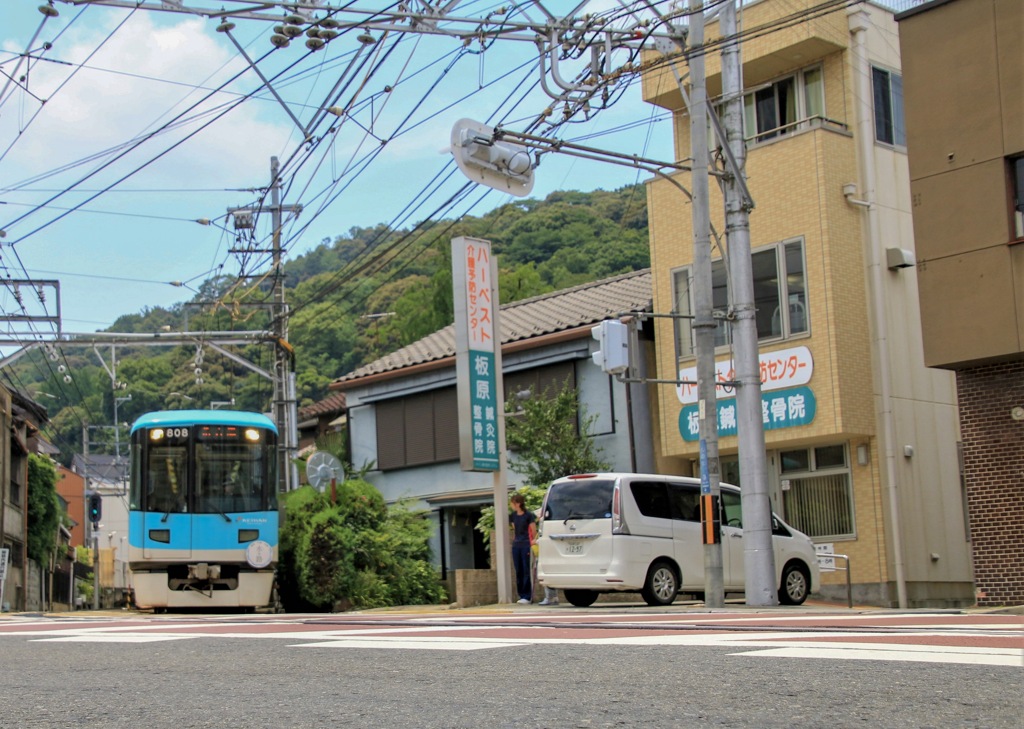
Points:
(862, 438)
(965, 130)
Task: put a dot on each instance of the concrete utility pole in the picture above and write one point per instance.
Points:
(704, 321)
(758, 557)
(285, 410)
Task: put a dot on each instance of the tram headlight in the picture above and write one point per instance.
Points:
(156, 434)
(252, 435)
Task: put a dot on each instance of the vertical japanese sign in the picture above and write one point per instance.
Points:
(477, 355)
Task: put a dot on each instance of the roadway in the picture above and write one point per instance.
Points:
(522, 666)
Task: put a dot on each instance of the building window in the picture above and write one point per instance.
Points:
(418, 430)
(817, 497)
(780, 297)
(888, 98)
(15, 493)
(1017, 186)
(783, 106)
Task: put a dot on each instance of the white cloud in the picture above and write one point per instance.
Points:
(135, 83)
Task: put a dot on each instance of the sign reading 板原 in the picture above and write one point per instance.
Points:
(477, 354)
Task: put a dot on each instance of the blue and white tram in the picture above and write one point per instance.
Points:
(203, 519)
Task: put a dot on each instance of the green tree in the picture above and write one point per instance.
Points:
(43, 509)
(547, 439)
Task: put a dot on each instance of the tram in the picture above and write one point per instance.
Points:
(203, 519)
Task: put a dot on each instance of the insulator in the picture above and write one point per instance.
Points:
(294, 19)
(315, 44)
(328, 23)
(365, 38)
(225, 27)
(67, 378)
(49, 11)
(292, 31)
(328, 35)
(313, 32)
(199, 380)
(280, 41)
(61, 368)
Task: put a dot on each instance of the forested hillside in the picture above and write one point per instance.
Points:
(366, 293)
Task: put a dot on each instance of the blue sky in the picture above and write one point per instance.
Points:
(119, 252)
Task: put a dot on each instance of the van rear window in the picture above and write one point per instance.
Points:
(590, 499)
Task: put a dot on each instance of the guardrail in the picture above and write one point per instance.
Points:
(833, 568)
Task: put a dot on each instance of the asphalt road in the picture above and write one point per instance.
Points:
(520, 668)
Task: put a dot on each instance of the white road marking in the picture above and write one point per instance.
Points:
(107, 638)
(946, 655)
(779, 644)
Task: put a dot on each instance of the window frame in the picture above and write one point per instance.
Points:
(1015, 184)
(814, 471)
(802, 104)
(890, 122)
(683, 329)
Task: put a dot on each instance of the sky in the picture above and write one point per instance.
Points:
(126, 128)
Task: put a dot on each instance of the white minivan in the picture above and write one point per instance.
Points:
(632, 532)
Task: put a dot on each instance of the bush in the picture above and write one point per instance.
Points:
(354, 553)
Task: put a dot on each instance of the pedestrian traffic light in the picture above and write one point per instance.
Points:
(612, 355)
(95, 508)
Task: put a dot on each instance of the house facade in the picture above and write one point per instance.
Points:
(20, 418)
(862, 438)
(963, 62)
(402, 408)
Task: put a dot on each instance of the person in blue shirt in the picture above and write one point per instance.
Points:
(524, 535)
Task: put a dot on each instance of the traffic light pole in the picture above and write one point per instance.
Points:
(704, 324)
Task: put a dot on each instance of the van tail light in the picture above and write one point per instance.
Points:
(619, 525)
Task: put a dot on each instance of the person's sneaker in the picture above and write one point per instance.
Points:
(545, 601)
(523, 601)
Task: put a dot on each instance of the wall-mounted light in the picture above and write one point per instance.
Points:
(863, 455)
(908, 451)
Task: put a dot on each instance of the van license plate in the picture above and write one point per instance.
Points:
(574, 547)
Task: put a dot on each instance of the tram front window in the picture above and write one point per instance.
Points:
(228, 478)
(167, 481)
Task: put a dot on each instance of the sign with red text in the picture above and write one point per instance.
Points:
(477, 354)
(784, 368)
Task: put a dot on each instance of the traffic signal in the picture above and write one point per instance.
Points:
(95, 508)
(612, 355)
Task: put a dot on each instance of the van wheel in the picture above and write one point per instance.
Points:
(581, 598)
(661, 586)
(796, 584)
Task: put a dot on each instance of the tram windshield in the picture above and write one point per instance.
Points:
(204, 470)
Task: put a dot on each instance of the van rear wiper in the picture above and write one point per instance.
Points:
(574, 515)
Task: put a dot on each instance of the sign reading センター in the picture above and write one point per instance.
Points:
(785, 400)
(477, 354)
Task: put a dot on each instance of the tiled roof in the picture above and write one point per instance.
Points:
(330, 405)
(555, 312)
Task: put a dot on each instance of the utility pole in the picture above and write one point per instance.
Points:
(284, 382)
(758, 556)
(704, 321)
(285, 410)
